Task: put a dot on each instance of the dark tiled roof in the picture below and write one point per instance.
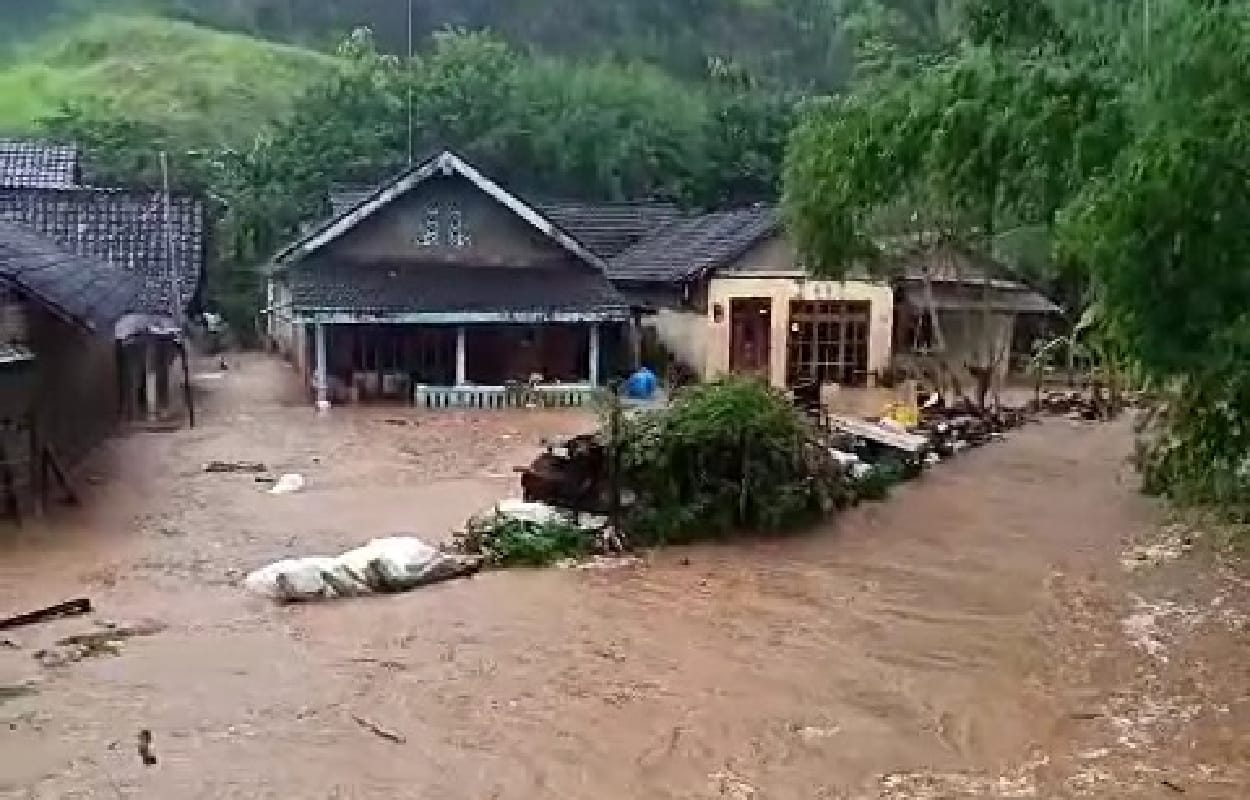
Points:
(608, 229)
(123, 227)
(88, 291)
(688, 246)
(37, 165)
(451, 288)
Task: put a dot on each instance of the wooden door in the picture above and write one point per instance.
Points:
(750, 336)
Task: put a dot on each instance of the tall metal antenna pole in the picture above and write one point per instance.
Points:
(175, 295)
(408, 78)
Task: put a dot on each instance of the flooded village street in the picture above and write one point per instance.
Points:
(977, 635)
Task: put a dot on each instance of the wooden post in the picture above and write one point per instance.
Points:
(150, 388)
(635, 343)
(321, 377)
(594, 354)
(461, 364)
(36, 462)
(187, 394)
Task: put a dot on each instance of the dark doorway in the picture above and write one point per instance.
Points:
(750, 335)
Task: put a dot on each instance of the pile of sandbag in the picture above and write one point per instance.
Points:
(395, 564)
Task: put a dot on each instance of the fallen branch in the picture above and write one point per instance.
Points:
(71, 608)
(379, 731)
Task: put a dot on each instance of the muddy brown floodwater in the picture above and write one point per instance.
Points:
(975, 636)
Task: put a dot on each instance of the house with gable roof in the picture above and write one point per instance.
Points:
(160, 243)
(728, 293)
(442, 287)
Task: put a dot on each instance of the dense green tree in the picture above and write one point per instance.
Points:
(1123, 138)
(1164, 236)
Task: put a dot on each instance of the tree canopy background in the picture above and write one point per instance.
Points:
(1122, 137)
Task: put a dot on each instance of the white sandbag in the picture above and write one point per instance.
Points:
(288, 484)
(398, 555)
(394, 564)
(537, 513)
(292, 579)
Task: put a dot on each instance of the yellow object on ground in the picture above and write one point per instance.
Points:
(907, 415)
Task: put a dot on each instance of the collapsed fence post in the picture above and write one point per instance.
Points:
(614, 457)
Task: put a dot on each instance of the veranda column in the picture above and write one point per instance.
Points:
(594, 354)
(461, 371)
(321, 378)
(151, 368)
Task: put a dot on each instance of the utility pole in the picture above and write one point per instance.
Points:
(408, 81)
(175, 289)
(175, 293)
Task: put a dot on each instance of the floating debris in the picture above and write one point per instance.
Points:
(288, 484)
(233, 467)
(106, 642)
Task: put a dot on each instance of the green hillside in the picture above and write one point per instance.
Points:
(204, 85)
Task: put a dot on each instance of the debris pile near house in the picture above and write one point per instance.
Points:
(383, 566)
(1092, 405)
(572, 475)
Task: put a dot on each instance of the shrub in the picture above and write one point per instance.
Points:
(514, 542)
(732, 455)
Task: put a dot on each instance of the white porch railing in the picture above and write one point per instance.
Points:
(552, 395)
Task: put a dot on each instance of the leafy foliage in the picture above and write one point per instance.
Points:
(1121, 136)
(520, 543)
(1164, 237)
(725, 457)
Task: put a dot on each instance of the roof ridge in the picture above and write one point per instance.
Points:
(444, 163)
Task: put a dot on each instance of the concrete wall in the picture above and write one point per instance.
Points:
(772, 255)
(683, 333)
(770, 269)
(77, 388)
(965, 335)
(781, 291)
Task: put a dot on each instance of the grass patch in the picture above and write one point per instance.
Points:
(206, 87)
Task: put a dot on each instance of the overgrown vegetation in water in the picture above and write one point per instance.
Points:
(728, 456)
(522, 543)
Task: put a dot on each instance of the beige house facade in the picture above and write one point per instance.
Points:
(784, 297)
(748, 308)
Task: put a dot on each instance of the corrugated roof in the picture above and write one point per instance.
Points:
(28, 164)
(87, 291)
(125, 228)
(948, 296)
(450, 288)
(685, 247)
(958, 275)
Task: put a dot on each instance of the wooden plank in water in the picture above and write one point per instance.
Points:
(899, 440)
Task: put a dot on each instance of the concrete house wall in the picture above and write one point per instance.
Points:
(72, 387)
(698, 331)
